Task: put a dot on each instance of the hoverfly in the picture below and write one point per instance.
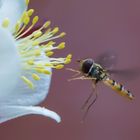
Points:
(97, 72)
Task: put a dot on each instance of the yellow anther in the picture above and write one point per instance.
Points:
(28, 82)
(60, 66)
(67, 61)
(40, 65)
(42, 70)
(33, 56)
(62, 34)
(47, 23)
(35, 76)
(48, 31)
(35, 43)
(37, 34)
(27, 2)
(23, 16)
(50, 43)
(30, 62)
(17, 26)
(50, 53)
(39, 70)
(61, 45)
(55, 30)
(5, 22)
(47, 72)
(37, 52)
(26, 20)
(35, 20)
(48, 65)
(30, 12)
(69, 56)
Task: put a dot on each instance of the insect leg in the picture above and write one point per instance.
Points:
(85, 103)
(76, 78)
(82, 78)
(96, 96)
(89, 97)
(76, 74)
(73, 70)
(94, 100)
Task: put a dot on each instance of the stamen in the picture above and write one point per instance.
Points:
(28, 82)
(27, 19)
(50, 53)
(55, 30)
(48, 65)
(61, 45)
(35, 76)
(37, 34)
(36, 48)
(50, 44)
(17, 27)
(46, 25)
(60, 66)
(30, 12)
(37, 52)
(5, 22)
(69, 56)
(27, 2)
(47, 72)
(30, 62)
(67, 61)
(62, 34)
(41, 70)
(35, 43)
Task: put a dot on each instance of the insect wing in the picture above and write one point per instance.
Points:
(126, 74)
(107, 60)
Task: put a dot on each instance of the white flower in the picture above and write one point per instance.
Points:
(25, 63)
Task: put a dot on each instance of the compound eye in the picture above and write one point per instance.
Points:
(86, 65)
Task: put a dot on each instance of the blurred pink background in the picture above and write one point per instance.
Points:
(92, 27)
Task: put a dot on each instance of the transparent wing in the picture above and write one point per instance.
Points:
(126, 74)
(107, 60)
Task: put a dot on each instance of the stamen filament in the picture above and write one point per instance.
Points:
(36, 48)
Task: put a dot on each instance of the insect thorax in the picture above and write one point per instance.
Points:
(97, 72)
(91, 69)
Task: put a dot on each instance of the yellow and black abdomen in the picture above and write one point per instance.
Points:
(118, 88)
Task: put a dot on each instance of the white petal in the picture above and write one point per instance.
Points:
(11, 112)
(13, 90)
(9, 64)
(11, 9)
(23, 95)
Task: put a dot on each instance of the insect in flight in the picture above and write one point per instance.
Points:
(90, 70)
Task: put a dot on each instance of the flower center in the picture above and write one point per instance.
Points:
(36, 48)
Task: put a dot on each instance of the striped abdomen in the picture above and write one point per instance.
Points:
(118, 88)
